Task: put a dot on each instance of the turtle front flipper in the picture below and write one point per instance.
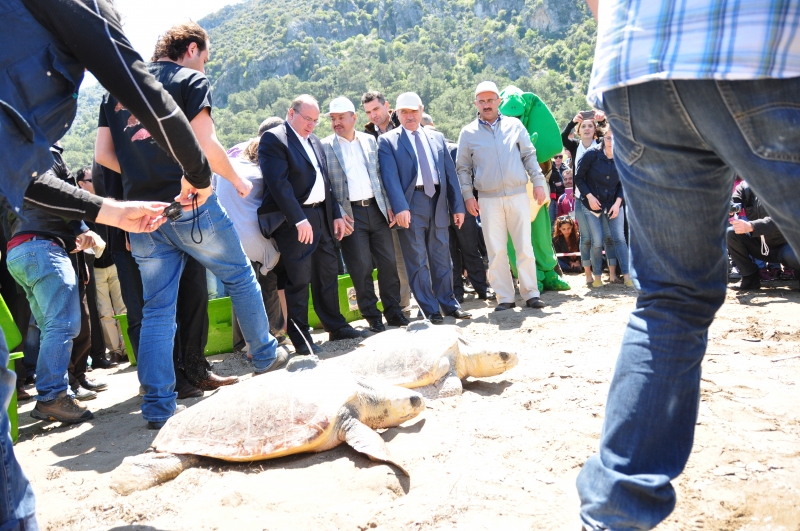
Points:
(140, 472)
(446, 386)
(363, 439)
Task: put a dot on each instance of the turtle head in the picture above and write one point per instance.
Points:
(480, 360)
(385, 406)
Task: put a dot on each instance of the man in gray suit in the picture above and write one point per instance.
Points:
(354, 173)
(422, 186)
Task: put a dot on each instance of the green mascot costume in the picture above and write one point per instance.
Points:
(546, 138)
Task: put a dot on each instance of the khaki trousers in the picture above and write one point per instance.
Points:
(109, 304)
(502, 217)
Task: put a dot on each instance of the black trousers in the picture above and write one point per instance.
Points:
(370, 241)
(192, 319)
(272, 303)
(98, 347)
(742, 246)
(314, 264)
(465, 254)
(82, 343)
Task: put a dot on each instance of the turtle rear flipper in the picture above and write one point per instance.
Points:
(140, 472)
(363, 439)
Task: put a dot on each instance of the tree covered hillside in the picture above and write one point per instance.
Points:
(265, 52)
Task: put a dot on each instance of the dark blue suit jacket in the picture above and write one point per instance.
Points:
(289, 176)
(399, 173)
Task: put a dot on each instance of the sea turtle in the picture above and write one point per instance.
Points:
(432, 359)
(274, 415)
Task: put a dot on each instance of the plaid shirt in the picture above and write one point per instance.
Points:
(642, 40)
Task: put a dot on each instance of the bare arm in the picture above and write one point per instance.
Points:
(104, 152)
(203, 127)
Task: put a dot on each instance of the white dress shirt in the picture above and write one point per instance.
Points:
(359, 185)
(318, 190)
(428, 153)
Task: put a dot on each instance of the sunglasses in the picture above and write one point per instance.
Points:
(559, 157)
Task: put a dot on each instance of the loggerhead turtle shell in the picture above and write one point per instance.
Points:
(268, 416)
(409, 358)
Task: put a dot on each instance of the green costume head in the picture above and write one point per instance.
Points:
(537, 119)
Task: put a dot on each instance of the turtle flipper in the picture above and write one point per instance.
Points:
(363, 439)
(140, 472)
(450, 385)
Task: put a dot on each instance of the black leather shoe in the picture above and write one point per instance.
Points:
(534, 302)
(749, 282)
(303, 351)
(488, 296)
(347, 332)
(398, 320)
(436, 318)
(377, 327)
(460, 314)
(93, 385)
(187, 390)
(103, 363)
(505, 306)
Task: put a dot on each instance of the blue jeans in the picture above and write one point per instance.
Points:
(45, 272)
(677, 179)
(161, 256)
(17, 503)
(585, 234)
(602, 228)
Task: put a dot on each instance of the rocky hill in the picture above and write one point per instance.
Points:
(264, 52)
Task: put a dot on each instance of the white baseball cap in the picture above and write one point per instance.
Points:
(408, 100)
(340, 104)
(486, 86)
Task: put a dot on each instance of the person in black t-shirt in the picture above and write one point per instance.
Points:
(203, 232)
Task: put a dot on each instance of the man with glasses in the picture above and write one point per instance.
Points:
(300, 211)
(496, 158)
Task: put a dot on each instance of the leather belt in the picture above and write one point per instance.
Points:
(363, 202)
(314, 205)
(421, 188)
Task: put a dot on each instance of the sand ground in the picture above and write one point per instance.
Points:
(504, 455)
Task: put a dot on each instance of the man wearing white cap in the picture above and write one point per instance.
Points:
(496, 158)
(354, 171)
(420, 179)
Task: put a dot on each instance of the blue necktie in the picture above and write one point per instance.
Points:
(425, 167)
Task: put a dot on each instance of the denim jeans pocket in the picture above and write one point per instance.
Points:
(195, 231)
(142, 245)
(618, 113)
(767, 113)
(24, 268)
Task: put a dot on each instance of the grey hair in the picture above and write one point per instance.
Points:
(301, 99)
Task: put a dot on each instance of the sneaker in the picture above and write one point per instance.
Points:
(84, 394)
(734, 274)
(63, 409)
(280, 361)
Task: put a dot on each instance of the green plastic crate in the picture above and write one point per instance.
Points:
(220, 329)
(220, 323)
(10, 330)
(347, 301)
(12, 406)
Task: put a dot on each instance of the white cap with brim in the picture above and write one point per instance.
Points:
(408, 100)
(340, 104)
(486, 86)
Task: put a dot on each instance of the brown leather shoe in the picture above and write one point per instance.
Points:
(213, 381)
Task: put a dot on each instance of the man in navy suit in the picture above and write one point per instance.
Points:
(420, 179)
(301, 214)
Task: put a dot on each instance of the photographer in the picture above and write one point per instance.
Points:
(757, 237)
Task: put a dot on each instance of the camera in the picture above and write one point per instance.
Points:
(174, 211)
(735, 208)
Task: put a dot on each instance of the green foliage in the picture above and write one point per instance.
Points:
(266, 52)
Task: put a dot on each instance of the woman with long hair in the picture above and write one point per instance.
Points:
(588, 134)
(565, 241)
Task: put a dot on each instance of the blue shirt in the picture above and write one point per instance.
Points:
(642, 40)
